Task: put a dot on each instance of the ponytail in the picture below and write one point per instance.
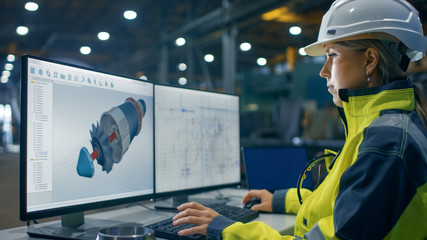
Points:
(420, 105)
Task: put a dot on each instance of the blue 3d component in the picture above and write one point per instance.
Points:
(111, 137)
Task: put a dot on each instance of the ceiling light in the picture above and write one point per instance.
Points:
(295, 30)
(180, 42)
(22, 30)
(209, 58)
(85, 50)
(302, 52)
(129, 14)
(182, 66)
(182, 81)
(4, 79)
(8, 66)
(31, 6)
(252, 107)
(245, 46)
(5, 73)
(261, 61)
(143, 77)
(10, 58)
(103, 36)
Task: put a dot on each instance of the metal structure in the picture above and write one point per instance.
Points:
(145, 46)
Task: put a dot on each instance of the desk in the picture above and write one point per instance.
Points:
(136, 213)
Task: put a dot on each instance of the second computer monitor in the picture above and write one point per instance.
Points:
(197, 140)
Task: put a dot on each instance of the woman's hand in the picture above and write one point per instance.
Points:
(266, 200)
(194, 213)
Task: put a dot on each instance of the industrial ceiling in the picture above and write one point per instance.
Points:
(59, 28)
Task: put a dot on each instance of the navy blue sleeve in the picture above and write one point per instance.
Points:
(373, 194)
(217, 225)
(279, 201)
(377, 188)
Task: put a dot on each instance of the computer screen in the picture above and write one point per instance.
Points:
(87, 139)
(197, 140)
(274, 168)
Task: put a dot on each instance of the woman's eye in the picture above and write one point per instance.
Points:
(332, 55)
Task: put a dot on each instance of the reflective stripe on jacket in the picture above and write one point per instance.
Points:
(377, 188)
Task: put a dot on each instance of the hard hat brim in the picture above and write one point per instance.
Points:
(317, 48)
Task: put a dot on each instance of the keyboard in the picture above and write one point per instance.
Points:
(165, 229)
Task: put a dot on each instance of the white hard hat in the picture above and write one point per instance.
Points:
(377, 19)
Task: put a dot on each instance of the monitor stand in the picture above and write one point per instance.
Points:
(74, 226)
(173, 202)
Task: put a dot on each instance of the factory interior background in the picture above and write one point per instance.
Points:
(246, 47)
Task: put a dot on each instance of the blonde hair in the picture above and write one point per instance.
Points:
(388, 70)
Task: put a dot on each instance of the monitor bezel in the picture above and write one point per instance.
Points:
(197, 190)
(52, 212)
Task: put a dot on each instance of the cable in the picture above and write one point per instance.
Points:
(308, 167)
(141, 205)
(221, 196)
(29, 222)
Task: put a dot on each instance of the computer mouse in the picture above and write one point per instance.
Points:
(250, 203)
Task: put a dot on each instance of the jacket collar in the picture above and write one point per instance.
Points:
(361, 106)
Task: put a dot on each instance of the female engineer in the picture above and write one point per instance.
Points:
(377, 185)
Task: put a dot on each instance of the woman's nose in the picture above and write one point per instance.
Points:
(324, 72)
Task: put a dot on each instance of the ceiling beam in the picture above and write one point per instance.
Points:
(212, 21)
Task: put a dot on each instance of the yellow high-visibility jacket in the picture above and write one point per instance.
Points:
(377, 186)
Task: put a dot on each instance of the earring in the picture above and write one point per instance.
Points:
(368, 77)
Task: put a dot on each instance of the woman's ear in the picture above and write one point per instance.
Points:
(372, 58)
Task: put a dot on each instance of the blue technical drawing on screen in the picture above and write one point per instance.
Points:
(197, 139)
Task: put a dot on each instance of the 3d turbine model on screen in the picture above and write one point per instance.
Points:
(111, 137)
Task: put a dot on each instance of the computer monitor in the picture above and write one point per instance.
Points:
(197, 142)
(87, 142)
